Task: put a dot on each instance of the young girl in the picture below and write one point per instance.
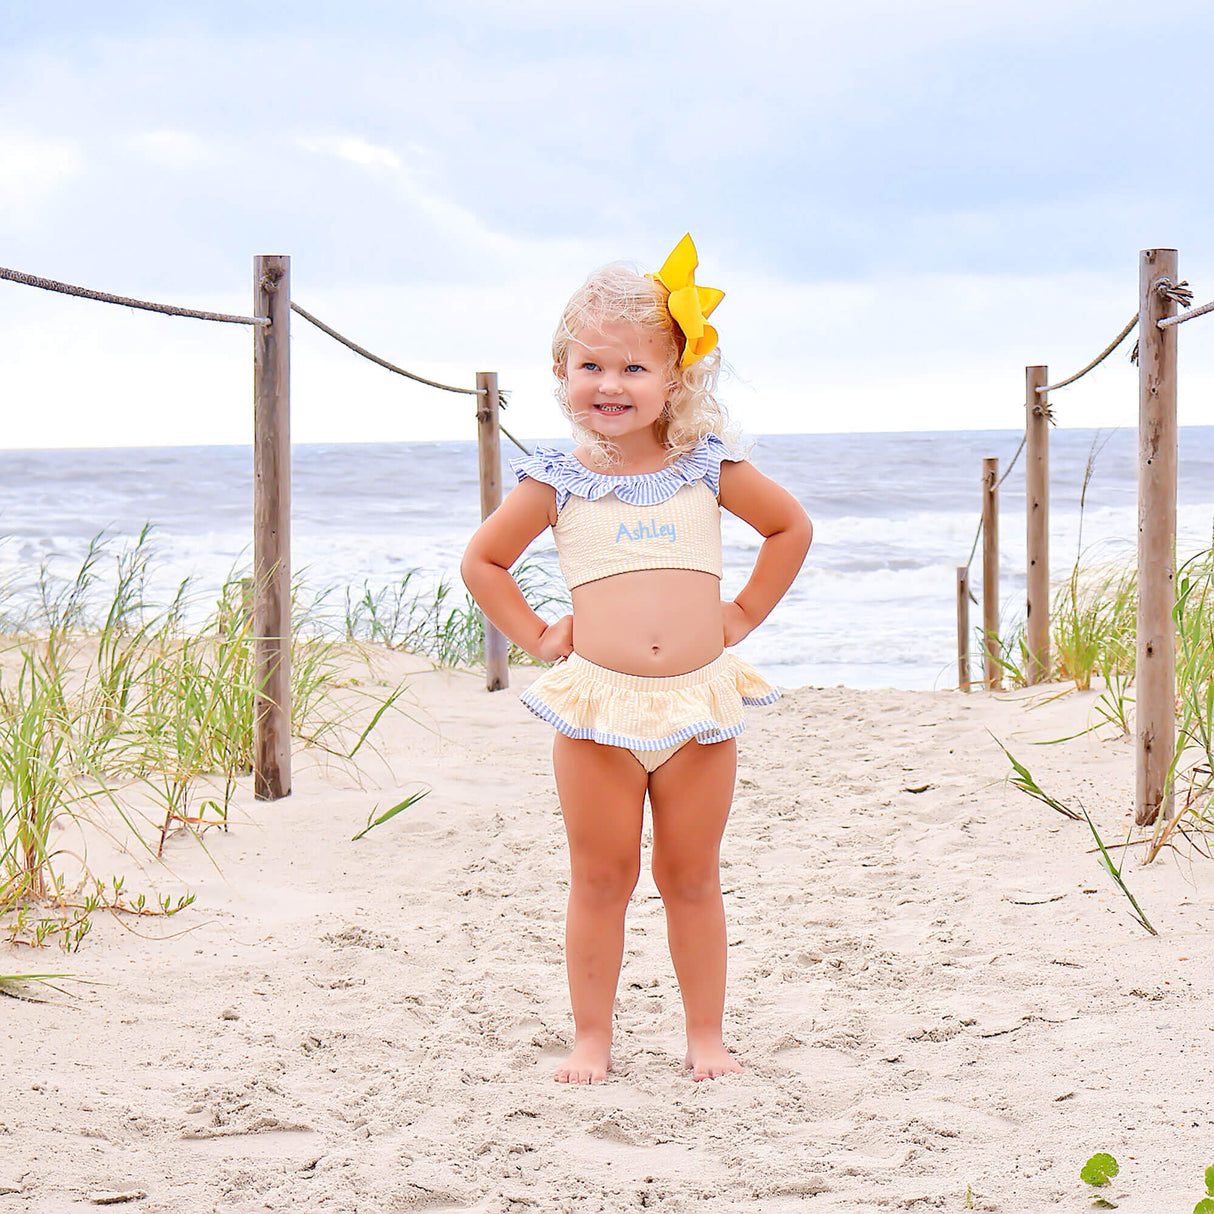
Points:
(645, 698)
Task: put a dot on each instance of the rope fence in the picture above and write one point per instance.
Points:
(514, 440)
(66, 288)
(1178, 292)
(1041, 412)
(375, 358)
(1039, 418)
(998, 483)
(383, 362)
(271, 490)
(1165, 301)
(1062, 383)
(1181, 317)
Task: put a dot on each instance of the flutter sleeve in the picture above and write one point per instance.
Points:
(705, 462)
(548, 465)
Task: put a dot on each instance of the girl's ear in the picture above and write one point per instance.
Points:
(558, 369)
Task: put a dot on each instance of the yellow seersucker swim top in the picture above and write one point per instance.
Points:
(605, 525)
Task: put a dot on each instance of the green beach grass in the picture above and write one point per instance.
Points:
(109, 701)
(1093, 644)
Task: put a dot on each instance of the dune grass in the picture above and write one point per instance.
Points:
(107, 701)
(434, 620)
(1192, 772)
(1093, 636)
(1093, 625)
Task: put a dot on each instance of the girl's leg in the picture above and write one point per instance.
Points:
(690, 795)
(602, 793)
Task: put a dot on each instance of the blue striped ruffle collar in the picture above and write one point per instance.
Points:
(569, 476)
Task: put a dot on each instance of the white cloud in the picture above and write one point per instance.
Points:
(443, 220)
(451, 219)
(355, 150)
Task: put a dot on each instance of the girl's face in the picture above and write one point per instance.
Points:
(618, 377)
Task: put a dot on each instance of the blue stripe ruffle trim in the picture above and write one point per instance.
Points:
(568, 476)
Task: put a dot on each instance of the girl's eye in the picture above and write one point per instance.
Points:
(590, 366)
(635, 367)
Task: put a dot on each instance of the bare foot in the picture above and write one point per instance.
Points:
(710, 1060)
(589, 1062)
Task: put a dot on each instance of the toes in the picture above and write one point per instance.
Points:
(713, 1070)
(576, 1075)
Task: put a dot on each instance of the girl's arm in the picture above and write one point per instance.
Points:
(776, 515)
(499, 541)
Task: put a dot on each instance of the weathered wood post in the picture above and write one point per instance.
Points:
(963, 628)
(272, 528)
(489, 450)
(1037, 512)
(990, 573)
(1155, 690)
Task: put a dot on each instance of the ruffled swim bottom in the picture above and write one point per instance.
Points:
(652, 717)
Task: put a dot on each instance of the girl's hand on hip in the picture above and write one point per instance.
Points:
(734, 623)
(556, 641)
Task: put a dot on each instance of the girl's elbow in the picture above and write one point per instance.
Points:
(802, 531)
(470, 569)
(481, 574)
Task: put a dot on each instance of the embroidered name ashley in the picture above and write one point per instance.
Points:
(653, 530)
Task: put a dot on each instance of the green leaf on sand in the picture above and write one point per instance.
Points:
(1025, 782)
(373, 822)
(1100, 1169)
(13, 985)
(1114, 871)
(1210, 1180)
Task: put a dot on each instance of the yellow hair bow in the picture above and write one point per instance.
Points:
(689, 304)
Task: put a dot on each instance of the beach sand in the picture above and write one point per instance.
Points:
(934, 988)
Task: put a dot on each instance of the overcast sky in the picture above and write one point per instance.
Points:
(905, 202)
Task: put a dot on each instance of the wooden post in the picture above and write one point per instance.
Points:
(963, 628)
(489, 450)
(990, 573)
(1155, 681)
(1037, 511)
(272, 528)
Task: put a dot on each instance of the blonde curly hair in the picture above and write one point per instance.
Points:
(617, 293)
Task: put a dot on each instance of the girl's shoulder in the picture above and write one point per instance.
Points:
(570, 477)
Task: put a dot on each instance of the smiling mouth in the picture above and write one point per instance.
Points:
(612, 410)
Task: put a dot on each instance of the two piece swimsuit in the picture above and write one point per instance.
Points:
(669, 519)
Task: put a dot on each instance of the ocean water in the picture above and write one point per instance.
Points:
(894, 514)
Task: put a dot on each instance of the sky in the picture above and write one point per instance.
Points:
(905, 202)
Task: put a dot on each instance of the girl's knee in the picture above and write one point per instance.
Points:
(687, 883)
(605, 884)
